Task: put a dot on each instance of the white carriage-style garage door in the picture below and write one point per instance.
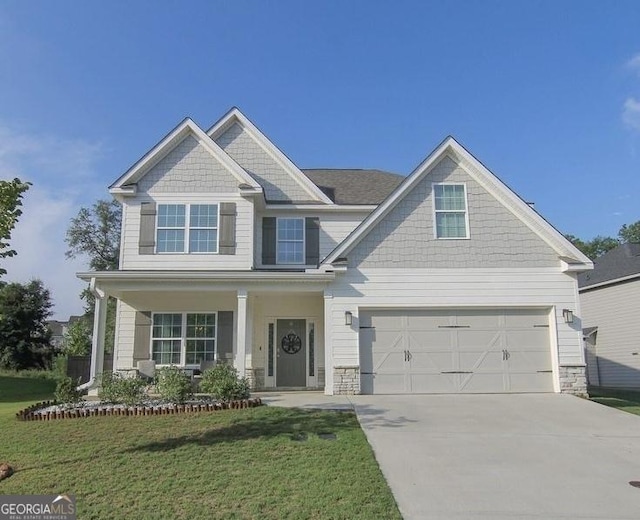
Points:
(455, 351)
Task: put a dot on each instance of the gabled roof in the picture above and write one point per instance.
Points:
(168, 143)
(236, 116)
(622, 262)
(350, 186)
(450, 147)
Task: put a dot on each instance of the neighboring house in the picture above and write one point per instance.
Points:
(344, 280)
(610, 301)
(59, 330)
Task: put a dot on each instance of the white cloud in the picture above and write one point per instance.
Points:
(64, 178)
(634, 64)
(631, 113)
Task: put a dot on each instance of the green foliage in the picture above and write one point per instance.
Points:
(95, 233)
(115, 388)
(173, 384)
(67, 393)
(630, 233)
(24, 335)
(223, 383)
(77, 339)
(11, 193)
(599, 245)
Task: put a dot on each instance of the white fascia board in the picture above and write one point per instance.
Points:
(170, 141)
(207, 276)
(335, 208)
(235, 115)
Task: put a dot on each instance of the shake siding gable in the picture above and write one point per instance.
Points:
(277, 183)
(406, 236)
(188, 168)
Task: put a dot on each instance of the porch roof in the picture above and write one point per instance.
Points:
(119, 282)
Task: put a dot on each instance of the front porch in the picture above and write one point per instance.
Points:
(271, 326)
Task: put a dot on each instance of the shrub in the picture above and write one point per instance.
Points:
(115, 388)
(223, 383)
(173, 384)
(67, 393)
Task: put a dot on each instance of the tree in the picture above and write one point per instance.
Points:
(24, 335)
(630, 233)
(77, 339)
(11, 193)
(94, 233)
(595, 247)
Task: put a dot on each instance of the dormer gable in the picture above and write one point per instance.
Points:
(186, 145)
(281, 180)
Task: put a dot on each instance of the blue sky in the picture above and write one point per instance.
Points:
(545, 93)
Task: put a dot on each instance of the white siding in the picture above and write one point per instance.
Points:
(244, 237)
(615, 310)
(441, 288)
(125, 329)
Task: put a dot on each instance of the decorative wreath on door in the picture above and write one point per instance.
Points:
(291, 343)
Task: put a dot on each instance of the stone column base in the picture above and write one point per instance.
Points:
(573, 380)
(346, 380)
(255, 376)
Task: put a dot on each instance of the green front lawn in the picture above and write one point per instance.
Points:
(626, 400)
(256, 463)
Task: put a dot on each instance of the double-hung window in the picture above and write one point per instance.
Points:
(187, 228)
(183, 338)
(290, 241)
(450, 205)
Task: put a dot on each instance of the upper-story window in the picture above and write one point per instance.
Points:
(290, 242)
(450, 206)
(187, 228)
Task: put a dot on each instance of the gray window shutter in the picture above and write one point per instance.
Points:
(224, 339)
(269, 241)
(227, 227)
(147, 242)
(142, 337)
(312, 240)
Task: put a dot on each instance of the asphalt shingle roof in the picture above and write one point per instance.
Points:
(345, 186)
(620, 262)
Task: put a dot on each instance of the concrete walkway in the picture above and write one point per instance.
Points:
(545, 456)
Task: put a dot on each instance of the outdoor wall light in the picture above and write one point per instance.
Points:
(348, 318)
(567, 315)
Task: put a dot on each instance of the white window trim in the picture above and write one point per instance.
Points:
(183, 337)
(436, 211)
(187, 228)
(304, 241)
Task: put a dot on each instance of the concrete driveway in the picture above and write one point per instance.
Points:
(544, 456)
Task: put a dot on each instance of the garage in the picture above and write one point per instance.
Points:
(455, 351)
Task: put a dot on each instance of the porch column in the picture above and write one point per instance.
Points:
(328, 343)
(241, 335)
(97, 338)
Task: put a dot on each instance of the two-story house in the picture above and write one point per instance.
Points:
(351, 281)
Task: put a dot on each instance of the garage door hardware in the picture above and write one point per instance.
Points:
(407, 355)
(544, 371)
(505, 355)
(456, 372)
(541, 326)
(635, 483)
(454, 326)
